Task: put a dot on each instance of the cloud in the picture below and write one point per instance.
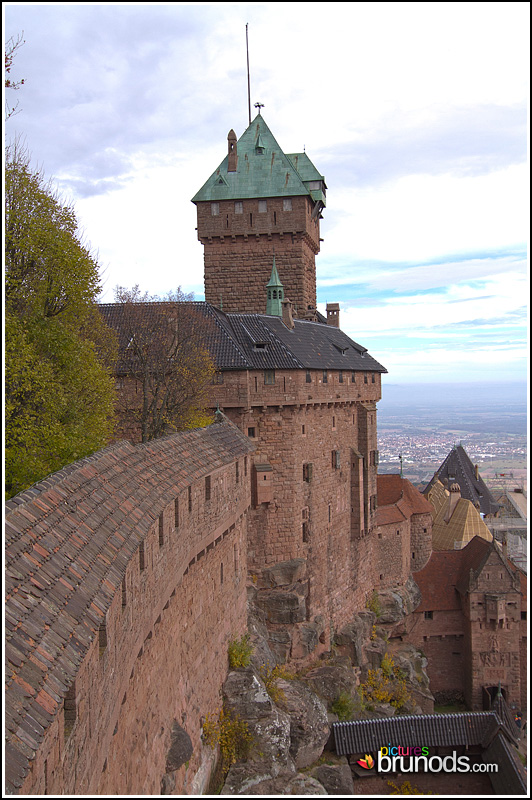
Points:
(456, 141)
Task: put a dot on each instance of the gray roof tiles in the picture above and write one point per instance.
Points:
(252, 341)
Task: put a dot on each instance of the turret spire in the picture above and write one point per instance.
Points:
(275, 293)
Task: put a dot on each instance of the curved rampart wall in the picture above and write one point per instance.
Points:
(125, 579)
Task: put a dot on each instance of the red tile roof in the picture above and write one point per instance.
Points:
(437, 581)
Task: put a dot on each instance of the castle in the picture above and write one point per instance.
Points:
(128, 573)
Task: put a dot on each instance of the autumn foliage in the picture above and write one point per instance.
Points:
(164, 367)
(59, 393)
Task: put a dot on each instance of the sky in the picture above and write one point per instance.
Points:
(415, 113)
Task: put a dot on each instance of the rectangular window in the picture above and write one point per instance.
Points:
(340, 377)
(215, 209)
(308, 378)
(365, 377)
(263, 206)
(142, 559)
(161, 530)
(307, 472)
(239, 207)
(335, 459)
(208, 488)
(373, 377)
(428, 615)
(251, 433)
(124, 593)
(237, 472)
(287, 204)
(176, 513)
(269, 377)
(353, 377)
(325, 378)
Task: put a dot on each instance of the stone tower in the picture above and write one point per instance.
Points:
(258, 202)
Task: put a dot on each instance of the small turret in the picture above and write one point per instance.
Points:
(275, 294)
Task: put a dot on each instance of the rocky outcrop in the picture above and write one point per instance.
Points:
(309, 726)
(336, 779)
(287, 783)
(245, 696)
(332, 678)
(397, 603)
(290, 732)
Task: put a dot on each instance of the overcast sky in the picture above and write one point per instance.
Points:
(416, 113)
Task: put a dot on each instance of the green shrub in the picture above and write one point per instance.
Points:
(344, 707)
(240, 652)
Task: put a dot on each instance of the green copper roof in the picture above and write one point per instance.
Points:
(263, 170)
(275, 293)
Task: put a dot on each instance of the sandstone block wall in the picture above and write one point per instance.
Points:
(239, 250)
(138, 559)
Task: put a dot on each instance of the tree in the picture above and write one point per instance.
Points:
(58, 353)
(164, 359)
(11, 47)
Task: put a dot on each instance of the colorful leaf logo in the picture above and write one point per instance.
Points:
(367, 762)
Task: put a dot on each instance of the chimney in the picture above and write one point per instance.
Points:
(288, 315)
(333, 314)
(454, 496)
(231, 151)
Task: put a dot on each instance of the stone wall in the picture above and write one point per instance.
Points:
(135, 565)
(239, 250)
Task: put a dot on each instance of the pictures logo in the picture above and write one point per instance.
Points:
(367, 762)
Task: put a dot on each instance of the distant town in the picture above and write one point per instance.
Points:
(417, 440)
(420, 454)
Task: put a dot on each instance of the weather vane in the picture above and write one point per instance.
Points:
(259, 106)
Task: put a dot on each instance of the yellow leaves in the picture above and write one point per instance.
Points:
(240, 652)
(386, 684)
(229, 732)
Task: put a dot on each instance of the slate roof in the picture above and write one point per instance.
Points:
(270, 173)
(483, 729)
(69, 539)
(253, 341)
(458, 468)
